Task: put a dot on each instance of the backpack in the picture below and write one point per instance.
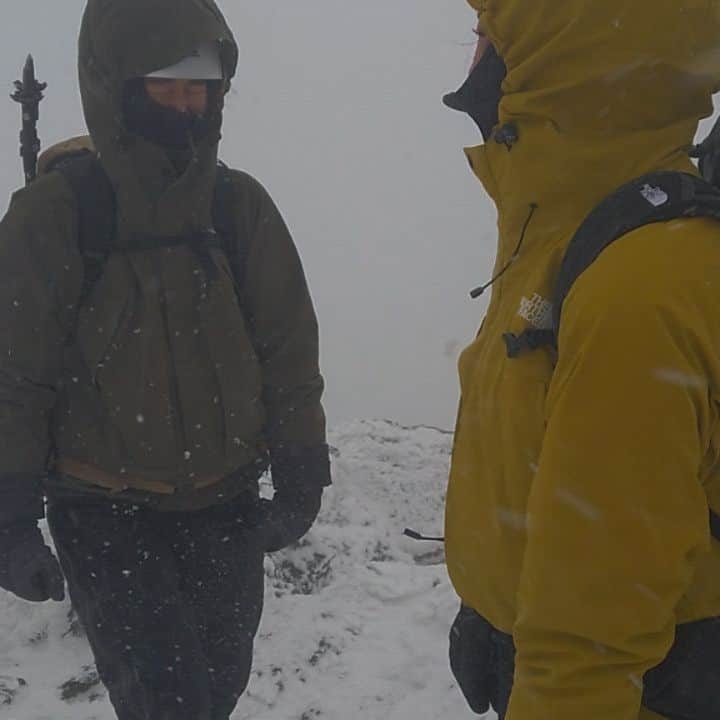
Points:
(656, 197)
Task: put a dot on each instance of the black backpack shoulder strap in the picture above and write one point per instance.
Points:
(96, 217)
(233, 236)
(96, 201)
(656, 197)
(653, 198)
(96, 213)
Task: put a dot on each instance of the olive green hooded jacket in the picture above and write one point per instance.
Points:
(164, 383)
(577, 509)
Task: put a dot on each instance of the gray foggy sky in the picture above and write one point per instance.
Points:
(336, 109)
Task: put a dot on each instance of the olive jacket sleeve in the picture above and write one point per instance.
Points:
(40, 279)
(282, 321)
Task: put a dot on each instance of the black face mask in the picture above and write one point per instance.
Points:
(161, 125)
(479, 96)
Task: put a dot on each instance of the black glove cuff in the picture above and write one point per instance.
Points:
(307, 467)
(21, 499)
(21, 534)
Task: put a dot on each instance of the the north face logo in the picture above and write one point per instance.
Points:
(656, 196)
(537, 311)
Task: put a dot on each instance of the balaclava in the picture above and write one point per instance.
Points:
(479, 96)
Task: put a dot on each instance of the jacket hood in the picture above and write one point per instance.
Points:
(598, 91)
(609, 66)
(124, 39)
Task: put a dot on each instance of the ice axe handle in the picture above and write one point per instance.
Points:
(28, 93)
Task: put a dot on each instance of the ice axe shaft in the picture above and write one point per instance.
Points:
(28, 93)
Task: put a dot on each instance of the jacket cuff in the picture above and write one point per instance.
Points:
(294, 465)
(21, 498)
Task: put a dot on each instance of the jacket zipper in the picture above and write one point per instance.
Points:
(122, 318)
(174, 386)
(203, 291)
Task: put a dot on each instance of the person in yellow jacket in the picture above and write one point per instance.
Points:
(577, 531)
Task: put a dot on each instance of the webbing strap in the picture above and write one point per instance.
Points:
(235, 236)
(653, 198)
(96, 213)
(656, 197)
(97, 226)
(527, 340)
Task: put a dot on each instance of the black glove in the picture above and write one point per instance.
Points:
(684, 684)
(482, 659)
(299, 476)
(471, 658)
(27, 567)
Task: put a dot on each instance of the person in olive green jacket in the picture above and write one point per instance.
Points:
(145, 397)
(577, 531)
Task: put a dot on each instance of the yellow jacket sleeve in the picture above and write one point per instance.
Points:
(617, 513)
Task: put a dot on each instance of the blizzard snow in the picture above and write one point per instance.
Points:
(356, 618)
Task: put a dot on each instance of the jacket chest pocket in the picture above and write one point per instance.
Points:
(521, 397)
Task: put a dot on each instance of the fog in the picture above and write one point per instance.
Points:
(336, 110)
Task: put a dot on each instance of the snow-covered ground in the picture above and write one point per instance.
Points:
(356, 618)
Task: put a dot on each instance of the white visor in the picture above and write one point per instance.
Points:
(203, 64)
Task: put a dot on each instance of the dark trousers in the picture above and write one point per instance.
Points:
(683, 687)
(170, 602)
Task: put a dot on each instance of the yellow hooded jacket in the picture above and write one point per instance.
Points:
(577, 509)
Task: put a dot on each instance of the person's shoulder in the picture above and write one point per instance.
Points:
(669, 263)
(45, 196)
(244, 183)
(52, 185)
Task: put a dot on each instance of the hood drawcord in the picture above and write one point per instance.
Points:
(478, 291)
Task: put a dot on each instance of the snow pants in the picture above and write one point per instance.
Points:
(170, 602)
(683, 687)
